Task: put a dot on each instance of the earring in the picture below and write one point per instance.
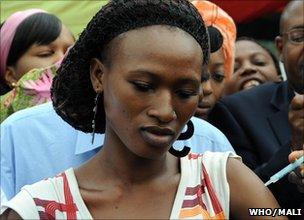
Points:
(183, 136)
(187, 134)
(13, 85)
(94, 117)
(184, 152)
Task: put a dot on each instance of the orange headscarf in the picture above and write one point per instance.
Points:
(218, 18)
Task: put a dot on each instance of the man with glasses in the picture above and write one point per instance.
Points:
(266, 123)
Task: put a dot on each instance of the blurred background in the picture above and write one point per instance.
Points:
(254, 18)
(75, 14)
(258, 19)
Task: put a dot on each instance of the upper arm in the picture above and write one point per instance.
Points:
(10, 214)
(247, 191)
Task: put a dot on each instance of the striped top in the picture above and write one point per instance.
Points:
(203, 193)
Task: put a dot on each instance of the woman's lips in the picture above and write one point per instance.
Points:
(157, 136)
(250, 84)
(202, 110)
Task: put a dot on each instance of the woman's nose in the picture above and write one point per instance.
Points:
(162, 108)
(58, 56)
(247, 69)
(207, 89)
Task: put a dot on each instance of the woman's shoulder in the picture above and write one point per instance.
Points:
(211, 163)
(49, 192)
(210, 156)
(207, 173)
(50, 188)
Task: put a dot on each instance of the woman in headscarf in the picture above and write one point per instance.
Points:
(220, 67)
(30, 39)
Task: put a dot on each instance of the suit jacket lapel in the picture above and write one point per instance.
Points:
(279, 118)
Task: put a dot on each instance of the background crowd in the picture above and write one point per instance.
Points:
(62, 107)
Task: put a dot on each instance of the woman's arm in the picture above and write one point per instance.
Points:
(248, 191)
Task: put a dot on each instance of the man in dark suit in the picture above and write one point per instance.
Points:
(265, 123)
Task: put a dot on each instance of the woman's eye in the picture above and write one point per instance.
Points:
(142, 86)
(259, 62)
(218, 76)
(186, 93)
(45, 54)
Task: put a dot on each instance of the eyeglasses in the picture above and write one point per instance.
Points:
(295, 35)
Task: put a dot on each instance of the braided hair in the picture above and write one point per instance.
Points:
(72, 92)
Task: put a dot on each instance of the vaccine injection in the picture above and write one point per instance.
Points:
(279, 175)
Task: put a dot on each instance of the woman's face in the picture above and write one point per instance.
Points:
(38, 56)
(253, 66)
(150, 89)
(213, 87)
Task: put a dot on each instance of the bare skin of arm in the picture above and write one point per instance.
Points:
(247, 191)
(10, 215)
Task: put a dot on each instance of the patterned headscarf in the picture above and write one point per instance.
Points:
(218, 18)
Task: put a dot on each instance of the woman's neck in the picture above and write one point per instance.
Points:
(116, 163)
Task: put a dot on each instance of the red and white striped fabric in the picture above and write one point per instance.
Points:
(203, 193)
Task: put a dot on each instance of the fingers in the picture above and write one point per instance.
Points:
(296, 116)
(295, 155)
(296, 109)
(297, 102)
(297, 176)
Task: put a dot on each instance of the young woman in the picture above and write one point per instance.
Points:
(135, 74)
(30, 39)
(254, 65)
(221, 62)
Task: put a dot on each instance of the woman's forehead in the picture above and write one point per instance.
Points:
(248, 47)
(157, 50)
(155, 40)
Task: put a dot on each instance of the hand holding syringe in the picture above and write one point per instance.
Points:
(285, 171)
(297, 138)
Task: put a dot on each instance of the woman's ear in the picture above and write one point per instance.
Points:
(10, 76)
(96, 73)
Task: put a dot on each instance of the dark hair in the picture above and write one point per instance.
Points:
(274, 58)
(72, 91)
(40, 28)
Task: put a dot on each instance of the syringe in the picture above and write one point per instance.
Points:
(285, 171)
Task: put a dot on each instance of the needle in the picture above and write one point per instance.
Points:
(279, 175)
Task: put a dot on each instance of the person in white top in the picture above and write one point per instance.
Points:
(135, 74)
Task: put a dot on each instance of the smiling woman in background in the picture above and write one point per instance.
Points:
(254, 65)
(30, 39)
